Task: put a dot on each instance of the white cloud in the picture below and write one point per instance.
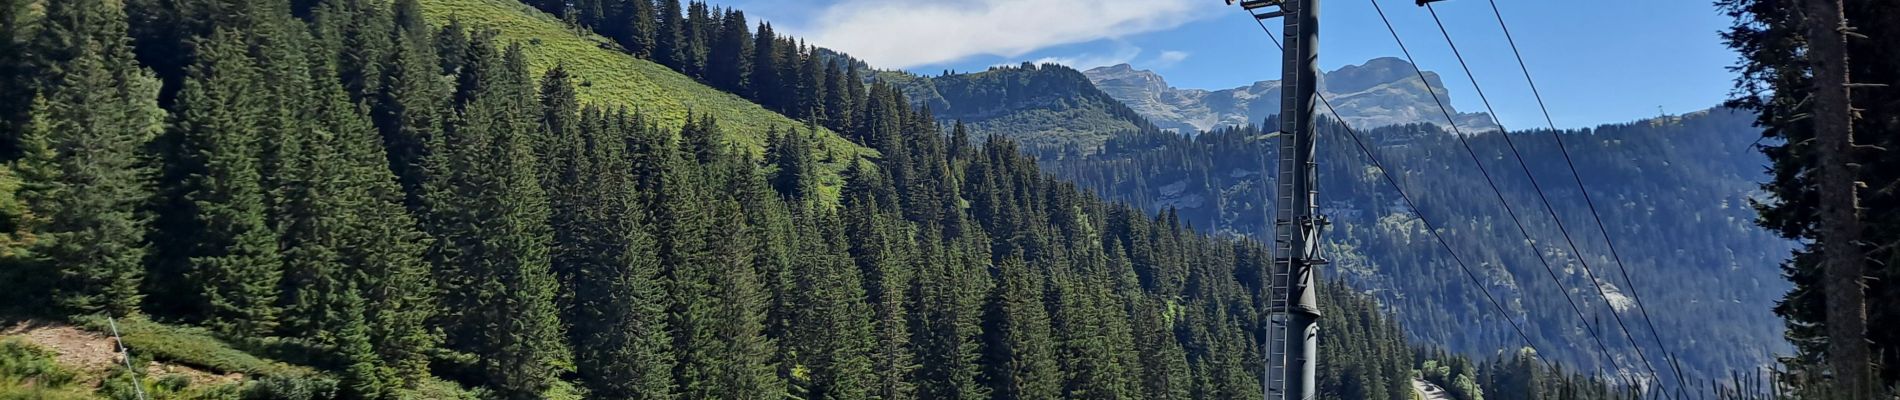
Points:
(1169, 58)
(910, 33)
(1123, 55)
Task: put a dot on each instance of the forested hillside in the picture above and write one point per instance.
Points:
(390, 196)
(1042, 106)
(1675, 194)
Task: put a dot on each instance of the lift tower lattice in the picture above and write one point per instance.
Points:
(1292, 337)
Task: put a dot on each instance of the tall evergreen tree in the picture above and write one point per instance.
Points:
(234, 259)
(357, 32)
(634, 24)
(1019, 353)
(945, 328)
(832, 335)
(559, 143)
(767, 87)
(608, 261)
(409, 107)
(525, 348)
(363, 375)
(1776, 81)
(839, 105)
(697, 35)
(101, 111)
(796, 175)
(14, 79)
(730, 61)
(810, 76)
(491, 215)
(670, 47)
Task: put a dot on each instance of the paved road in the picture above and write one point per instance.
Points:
(1429, 391)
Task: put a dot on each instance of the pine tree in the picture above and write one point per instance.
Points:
(14, 79)
(697, 40)
(832, 335)
(839, 105)
(621, 338)
(409, 107)
(1019, 354)
(670, 47)
(795, 177)
(234, 259)
(362, 370)
(729, 63)
(101, 110)
(633, 24)
(767, 85)
(357, 33)
(945, 327)
(878, 243)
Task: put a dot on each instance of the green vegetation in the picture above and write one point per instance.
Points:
(1776, 82)
(1217, 180)
(191, 346)
(352, 203)
(29, 372)
(607, 76)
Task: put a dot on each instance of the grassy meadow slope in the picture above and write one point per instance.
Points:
(605, 75)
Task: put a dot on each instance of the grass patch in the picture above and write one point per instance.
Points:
(605, 75)
(193, 347)
(29, 372)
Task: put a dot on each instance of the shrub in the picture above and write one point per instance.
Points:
(29, 372)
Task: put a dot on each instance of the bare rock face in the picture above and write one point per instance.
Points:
(1381, 92)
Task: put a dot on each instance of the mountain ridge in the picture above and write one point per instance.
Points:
(1380, 92)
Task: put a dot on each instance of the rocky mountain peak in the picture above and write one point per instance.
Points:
(1380, 92)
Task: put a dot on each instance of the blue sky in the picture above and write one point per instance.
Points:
(1596, 61)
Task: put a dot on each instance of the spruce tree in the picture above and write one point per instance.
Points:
(879, 243)
(234, 256)
(523, 349)
(621, 345)
(945, 326)
(558, 146)
(410, 104)
(766, 85)
(1019, 353)
(810, 77)
(101, 111)
(838, 103)
(796, 175)
(14, 79)
(633, 23)
(697, 37)
(281, 50)
(744, 360)
(383, 245)
(832, 335)
(363, 375)
(669, 44)
(729, 63)
(356, 32)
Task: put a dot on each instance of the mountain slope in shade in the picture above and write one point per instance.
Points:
(1037, 105)
(1381, 92)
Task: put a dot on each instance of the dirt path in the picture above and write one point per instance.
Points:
(94, 356)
